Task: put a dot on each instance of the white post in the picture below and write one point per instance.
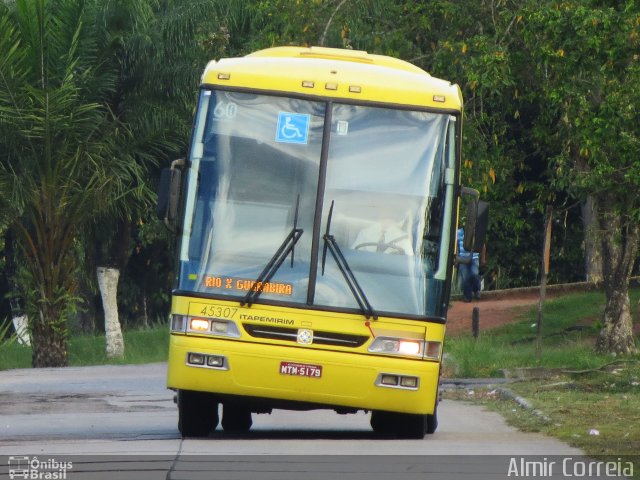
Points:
(108, 283)
(21, 324)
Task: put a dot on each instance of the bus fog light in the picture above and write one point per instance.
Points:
(199, 325)
(196, 358)
(215, 361)
(401, 382)
(409, 382)
(389, 379)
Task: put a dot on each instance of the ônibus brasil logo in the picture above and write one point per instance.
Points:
(33, 468)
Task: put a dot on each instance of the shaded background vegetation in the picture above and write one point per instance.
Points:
(513, 145)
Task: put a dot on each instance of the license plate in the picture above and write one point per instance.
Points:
(300, 369)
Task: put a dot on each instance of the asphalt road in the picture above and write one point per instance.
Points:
(121, 422)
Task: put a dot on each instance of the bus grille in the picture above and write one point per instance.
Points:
(319, 337)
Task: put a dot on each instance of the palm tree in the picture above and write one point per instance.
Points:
(60, 165)
(94, 94)
(158, 50)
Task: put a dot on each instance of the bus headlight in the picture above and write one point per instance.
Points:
(220, 328)
(398, 346)
(206, 326)
(407, 347)
(199, 325)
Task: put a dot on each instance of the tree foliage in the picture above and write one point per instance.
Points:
(550, 93)
(94, 96)
(587, 74)
(482, 52)
(58, 164)
(550, 118)
(157, 51)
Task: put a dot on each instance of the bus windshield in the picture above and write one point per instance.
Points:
(262, 167)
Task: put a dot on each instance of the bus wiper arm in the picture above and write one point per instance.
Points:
(286, 248)
(347, 273)
(272, 267)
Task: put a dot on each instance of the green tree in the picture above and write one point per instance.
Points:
(334, 23)
(157, 51)
(482, 52)
(60, 164)
(585, 59)
(477, 45)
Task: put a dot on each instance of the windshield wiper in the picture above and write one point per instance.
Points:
(287, 247)
(331, 244)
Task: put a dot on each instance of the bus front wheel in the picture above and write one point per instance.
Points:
(197, 413)
(431, 423)
(403, 425)
(236, 418)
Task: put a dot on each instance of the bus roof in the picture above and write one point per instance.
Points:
(335, 73)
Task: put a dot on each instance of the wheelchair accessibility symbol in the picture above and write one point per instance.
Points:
(293, 128)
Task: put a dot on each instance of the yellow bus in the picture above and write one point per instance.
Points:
(316, 213)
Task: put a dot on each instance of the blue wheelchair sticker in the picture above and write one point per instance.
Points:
(293, 127)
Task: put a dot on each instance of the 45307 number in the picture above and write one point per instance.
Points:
(218, 311)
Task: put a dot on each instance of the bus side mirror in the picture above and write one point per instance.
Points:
(475, 225)
(482, 223)
(471, 218)
(169, 194)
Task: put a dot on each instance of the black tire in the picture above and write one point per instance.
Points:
(431, 423)
(432, 420)
(412, 426)
(236, 418)
(403, 425)
(197, 413)
(382, 423)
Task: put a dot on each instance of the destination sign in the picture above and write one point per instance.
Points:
(245, 285)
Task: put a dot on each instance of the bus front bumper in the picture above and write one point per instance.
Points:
(302, 374)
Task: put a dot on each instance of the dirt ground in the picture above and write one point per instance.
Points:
(493, 311)
(498, 310)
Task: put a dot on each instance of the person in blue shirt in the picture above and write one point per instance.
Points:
(469, 273)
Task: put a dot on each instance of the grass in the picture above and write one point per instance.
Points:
(141, 346)
(586, 400)
(598, 411)
(569, 327)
